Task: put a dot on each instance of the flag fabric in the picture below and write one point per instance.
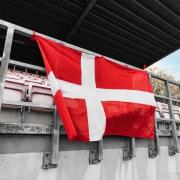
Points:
(95, 96)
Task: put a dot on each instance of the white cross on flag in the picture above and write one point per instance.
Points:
(95, 96)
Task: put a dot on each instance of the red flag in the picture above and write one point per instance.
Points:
(96, 96)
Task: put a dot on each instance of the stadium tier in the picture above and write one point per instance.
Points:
(28, 87)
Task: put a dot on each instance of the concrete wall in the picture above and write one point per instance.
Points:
(73, 165)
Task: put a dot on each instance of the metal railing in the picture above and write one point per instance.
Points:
(172, 123)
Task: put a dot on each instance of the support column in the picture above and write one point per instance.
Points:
(5, 60)
(129, 151)
(50, 159)
(173, 149)
(154, 149)
(96, 152)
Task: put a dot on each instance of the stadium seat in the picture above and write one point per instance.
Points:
(41, 95)
(12, 75)
(176, 113)
(13, 91)
(32, 80)
(165, 111)
(157, 112)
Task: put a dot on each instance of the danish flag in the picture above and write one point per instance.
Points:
(95, 96)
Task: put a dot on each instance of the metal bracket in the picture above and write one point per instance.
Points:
(172, 150)
(50, 159)
(129, 151)
(22, 114)
(47, 161)
(175, 137)
(175, 147)
(154, 149)
(96, 152)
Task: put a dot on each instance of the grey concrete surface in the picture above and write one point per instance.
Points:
(73, 165)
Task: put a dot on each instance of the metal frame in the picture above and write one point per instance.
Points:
(50, 159)
(95, 152)
(81, 18)
(129, 150)
(154, 149)
(25, 65)
(173, 148)
(5, 60)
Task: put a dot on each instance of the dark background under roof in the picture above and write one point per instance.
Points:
(136, 32)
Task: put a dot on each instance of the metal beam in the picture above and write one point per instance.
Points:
(148, 36)
(50, 159)
(39, 129)
(129, 30)
(121, 41)
(43, 13)
(55, 139)
(96, 152)
(145, 21)
(25, 65)
(173, 149)
(122, 32)
(29, 104)
(154, 149)
(5, 60)
(160, 19)
(164, 79)
(81, 18)
(129, 150)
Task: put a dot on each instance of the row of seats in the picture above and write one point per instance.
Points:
(23, 86)
(162, 111)
(27, 77)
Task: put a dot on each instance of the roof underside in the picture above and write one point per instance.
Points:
(136, 32)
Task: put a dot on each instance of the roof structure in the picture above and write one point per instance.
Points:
(136, 32)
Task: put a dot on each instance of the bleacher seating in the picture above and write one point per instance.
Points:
(176, 113)
(158, 112)
(162, 111)
(40, 94)
(24, 86)
(14, 90)
(165, 111)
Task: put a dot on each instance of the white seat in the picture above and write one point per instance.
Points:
(13, 91)
(176, 113)
(165, 110)
(41, 95)
(157, 112)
